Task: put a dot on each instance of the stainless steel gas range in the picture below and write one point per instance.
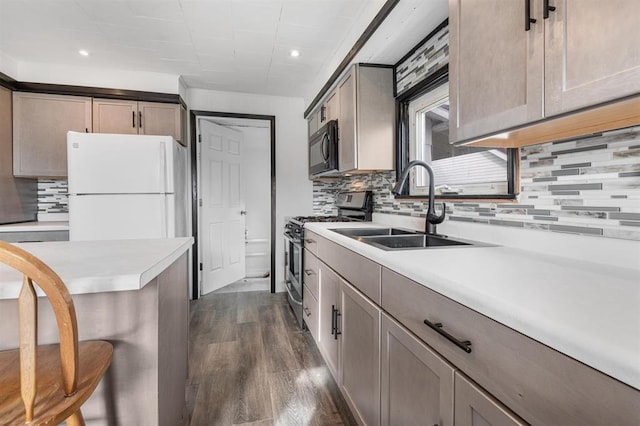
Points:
(354, 206)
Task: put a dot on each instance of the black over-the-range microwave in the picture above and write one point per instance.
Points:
(323, 150)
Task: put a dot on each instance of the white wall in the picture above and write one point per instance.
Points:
(293, 188)
(256, 175)
(96, 77)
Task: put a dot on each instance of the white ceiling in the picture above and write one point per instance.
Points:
(230, 45)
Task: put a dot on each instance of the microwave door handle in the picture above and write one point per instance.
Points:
(325, 147)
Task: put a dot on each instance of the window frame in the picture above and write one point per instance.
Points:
(403, 149)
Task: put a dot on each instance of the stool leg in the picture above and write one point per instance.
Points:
(75, 419)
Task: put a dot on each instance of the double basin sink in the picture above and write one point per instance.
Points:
(402, 239)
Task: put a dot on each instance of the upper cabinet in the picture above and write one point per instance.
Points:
(40, 126)
(514, 63)
(131, 117)
(591, 55)
(495, 67)
(366, 112)
(364, 107)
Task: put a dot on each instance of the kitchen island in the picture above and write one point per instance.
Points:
(133, 293)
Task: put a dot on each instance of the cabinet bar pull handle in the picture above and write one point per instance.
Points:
(528, 20)
(309, 241)
(308, 272)
(140, 119)
(333, 320)
(306, 311)
(465, 345)
(338, 314)
(547, 8)
(133, 118)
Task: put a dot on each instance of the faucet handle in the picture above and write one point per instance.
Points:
(435, 219)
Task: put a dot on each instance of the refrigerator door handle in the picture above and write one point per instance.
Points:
(164, 227)
(163, 167)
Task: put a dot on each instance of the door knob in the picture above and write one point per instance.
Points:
(243, 212)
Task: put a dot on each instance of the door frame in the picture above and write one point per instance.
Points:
(193, 116)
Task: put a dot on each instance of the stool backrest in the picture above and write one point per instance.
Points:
(34, 270)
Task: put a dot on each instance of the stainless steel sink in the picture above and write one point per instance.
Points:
(368, 232)
(413, 242)
(403, 239)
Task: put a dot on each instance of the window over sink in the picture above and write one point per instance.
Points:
(460, 171)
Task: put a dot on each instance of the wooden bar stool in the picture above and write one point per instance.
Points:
(47, 384)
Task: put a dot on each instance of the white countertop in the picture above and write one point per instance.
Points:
(586, 310)
(99, 266)
(35, 226)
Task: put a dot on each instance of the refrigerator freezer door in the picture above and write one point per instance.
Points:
(120, 164)
(121, 216)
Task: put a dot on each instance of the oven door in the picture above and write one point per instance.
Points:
(292, 273)
(293, 261)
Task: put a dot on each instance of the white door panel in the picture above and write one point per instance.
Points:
(121, 216)
(222, 222)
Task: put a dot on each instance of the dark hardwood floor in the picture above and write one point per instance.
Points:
(250, 364)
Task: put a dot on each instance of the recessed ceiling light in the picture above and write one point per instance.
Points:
(83, 52)
(295, 53)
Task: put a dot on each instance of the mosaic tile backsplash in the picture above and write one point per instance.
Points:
(427, 59)
(588, 186)
(52, 196)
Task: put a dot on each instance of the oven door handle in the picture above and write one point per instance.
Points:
(293, 299)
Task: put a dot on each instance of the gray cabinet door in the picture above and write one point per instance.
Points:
(416, 383)
(495, 67)
(160, 119)
(347, 154)
(115, 116)
(360, 355)
(475, 407)
(333, 106)
(592, 53)
(329, 297)
(40, 126)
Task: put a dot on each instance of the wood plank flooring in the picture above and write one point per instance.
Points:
(250, 364)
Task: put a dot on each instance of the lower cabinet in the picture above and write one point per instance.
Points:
(349, 340)
(475, 407)
(417, 384)
(360, 355)
(310, 312)
(328, 311)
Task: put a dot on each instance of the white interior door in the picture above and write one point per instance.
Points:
(222, 215)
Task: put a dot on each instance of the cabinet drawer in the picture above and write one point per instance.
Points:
(311, 242)
(361, 272)
(538, 383)
(310, 273)
(310, 312)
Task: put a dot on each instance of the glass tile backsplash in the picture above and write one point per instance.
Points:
(588, 186)
(52, 196)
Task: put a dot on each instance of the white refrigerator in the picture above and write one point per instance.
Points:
(126, 187)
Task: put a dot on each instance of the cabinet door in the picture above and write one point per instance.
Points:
(328, 343)
(474, 407)
(333, 106)
(40, 126)
(495, 66)
(417, 384)
(592, 55)
(347, 153)
(360, 355)
(115, 116)
(310, 308)
(160, 119)
(312, 123)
